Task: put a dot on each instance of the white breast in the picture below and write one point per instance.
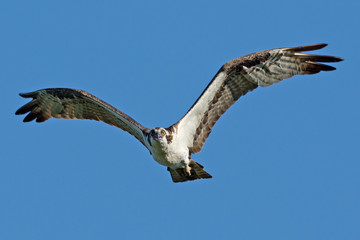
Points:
(172, 155)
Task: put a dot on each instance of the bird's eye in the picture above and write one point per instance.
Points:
(163, 132)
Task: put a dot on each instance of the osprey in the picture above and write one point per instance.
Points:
(173, 146)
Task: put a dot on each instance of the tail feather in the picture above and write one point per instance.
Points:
(197, 172)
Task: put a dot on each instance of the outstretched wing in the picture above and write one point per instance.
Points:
(77, 104)
(240, 76)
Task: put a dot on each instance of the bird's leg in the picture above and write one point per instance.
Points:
(187, 170)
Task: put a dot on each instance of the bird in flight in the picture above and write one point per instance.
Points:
(173, 146)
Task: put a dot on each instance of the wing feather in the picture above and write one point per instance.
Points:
(238, 77)
(69, 103)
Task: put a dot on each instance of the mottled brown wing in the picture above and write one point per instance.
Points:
(76, 104)
(240, 76)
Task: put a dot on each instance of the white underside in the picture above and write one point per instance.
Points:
(189, 123)
(173, 155)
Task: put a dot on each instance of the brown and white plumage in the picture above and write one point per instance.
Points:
(240, 76)
(77, 104)
(173, 146)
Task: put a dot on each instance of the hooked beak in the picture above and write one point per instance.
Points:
(157, 136)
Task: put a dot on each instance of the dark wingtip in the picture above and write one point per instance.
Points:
(24, 95)
(28, 107)
(28, 95)
(31, 116)
(314, 67)
(338, 59)
(309, 47)
(316, 46)
(18, 112)
(328, 68)
(324, 58)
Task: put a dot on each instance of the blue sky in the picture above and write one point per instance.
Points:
(285, 159)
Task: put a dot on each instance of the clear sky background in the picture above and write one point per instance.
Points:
(284, 159)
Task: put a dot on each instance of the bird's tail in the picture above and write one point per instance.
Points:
(196, 172)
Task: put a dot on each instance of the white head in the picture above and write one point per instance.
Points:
(158, 135)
